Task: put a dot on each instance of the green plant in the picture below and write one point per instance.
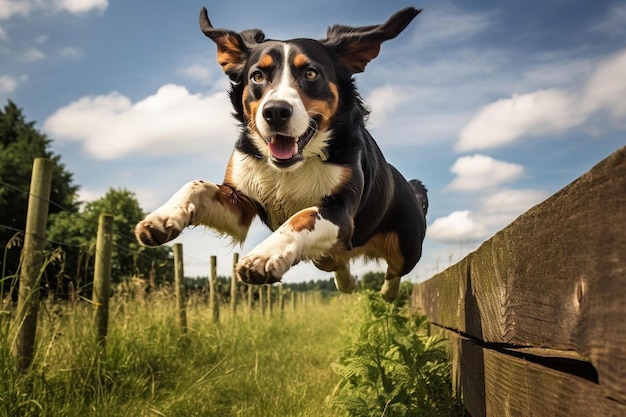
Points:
(393, 368)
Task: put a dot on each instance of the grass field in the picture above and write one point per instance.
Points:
(247, 365)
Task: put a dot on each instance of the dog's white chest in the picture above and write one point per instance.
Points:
(283, 193)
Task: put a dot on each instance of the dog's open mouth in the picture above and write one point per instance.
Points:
(287, 150)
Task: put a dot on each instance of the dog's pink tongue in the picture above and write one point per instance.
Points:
(283, 147)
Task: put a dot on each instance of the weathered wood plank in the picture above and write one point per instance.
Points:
(555, 278)
(496, 384)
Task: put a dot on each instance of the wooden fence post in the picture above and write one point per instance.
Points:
(281, 299)
(102, 277)
(269, 300)
(250, 298)
(179, 284)
(213, 301)
(233, 285)
(261, 300)
(32, 262)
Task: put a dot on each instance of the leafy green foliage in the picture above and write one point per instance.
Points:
(129, 259)
(20, 144)
(394, 369)
(372, 281)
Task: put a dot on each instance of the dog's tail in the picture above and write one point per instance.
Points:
(422, 194)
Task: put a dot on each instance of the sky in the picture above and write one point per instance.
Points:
(494, 105)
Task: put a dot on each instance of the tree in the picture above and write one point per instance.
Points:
(20, 144)
(78, 231)
(372, 281)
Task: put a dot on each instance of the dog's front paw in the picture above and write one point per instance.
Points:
(264, 267)
(161, 226)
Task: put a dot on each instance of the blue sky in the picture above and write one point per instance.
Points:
(494, 105)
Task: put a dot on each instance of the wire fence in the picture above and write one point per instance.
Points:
(190, 260)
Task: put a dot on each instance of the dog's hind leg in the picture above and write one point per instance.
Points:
(391, 287)
(344, 281)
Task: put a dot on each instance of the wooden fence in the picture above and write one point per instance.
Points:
(24, 324)
(536, 315)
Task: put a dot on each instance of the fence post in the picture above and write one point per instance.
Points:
(179, 284)
(233, 285)
(213, 301)
(281, 299)
(261, 300)
(102, 277)
(269, 300)
(250, 298)
(32, 262)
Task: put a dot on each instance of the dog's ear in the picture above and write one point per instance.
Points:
(232, 48)
(252, 36)
(357, 46)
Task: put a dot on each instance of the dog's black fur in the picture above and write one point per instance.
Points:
(303, 125)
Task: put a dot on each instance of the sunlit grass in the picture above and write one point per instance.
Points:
(247, 365)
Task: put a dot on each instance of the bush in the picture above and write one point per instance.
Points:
(393, 368)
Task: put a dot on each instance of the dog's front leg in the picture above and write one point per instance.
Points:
(219, 207)
(304, 236)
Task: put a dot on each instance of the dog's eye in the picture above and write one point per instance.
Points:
(257, 77)
(311, 74)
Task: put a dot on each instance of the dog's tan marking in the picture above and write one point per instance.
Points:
(387, 246)
(305, 220)
(237, 204)
(325, 108)
(300, 60)
(229, 54)
(265, 62)
(250, 107)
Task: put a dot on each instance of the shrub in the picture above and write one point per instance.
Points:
(393, 368)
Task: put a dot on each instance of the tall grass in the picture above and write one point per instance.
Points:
(244, 366)
(247, 365)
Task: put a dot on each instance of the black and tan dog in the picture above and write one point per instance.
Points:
(304, 162)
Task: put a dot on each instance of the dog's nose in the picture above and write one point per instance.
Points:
(276, 113)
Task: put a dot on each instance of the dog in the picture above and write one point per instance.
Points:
(304, 161)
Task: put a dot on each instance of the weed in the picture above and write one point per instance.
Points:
(392, 368)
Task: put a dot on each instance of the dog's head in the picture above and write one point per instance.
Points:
(286, 92)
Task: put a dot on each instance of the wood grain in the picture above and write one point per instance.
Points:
(497, 384)
(554, 280)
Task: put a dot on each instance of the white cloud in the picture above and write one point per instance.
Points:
(457, 227)
(502, 122)
(71, 52)
(551, 111)
(498, 209)
(8, 8)
(606, 88)
(479, 172)
(171, 121)
(512, 201)
(3, 35)
(198, 72)
(502, 207)
(11, 8)
(86, 195)
(8, 84)
(82, 6)
(33, 55)
(384, 100)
